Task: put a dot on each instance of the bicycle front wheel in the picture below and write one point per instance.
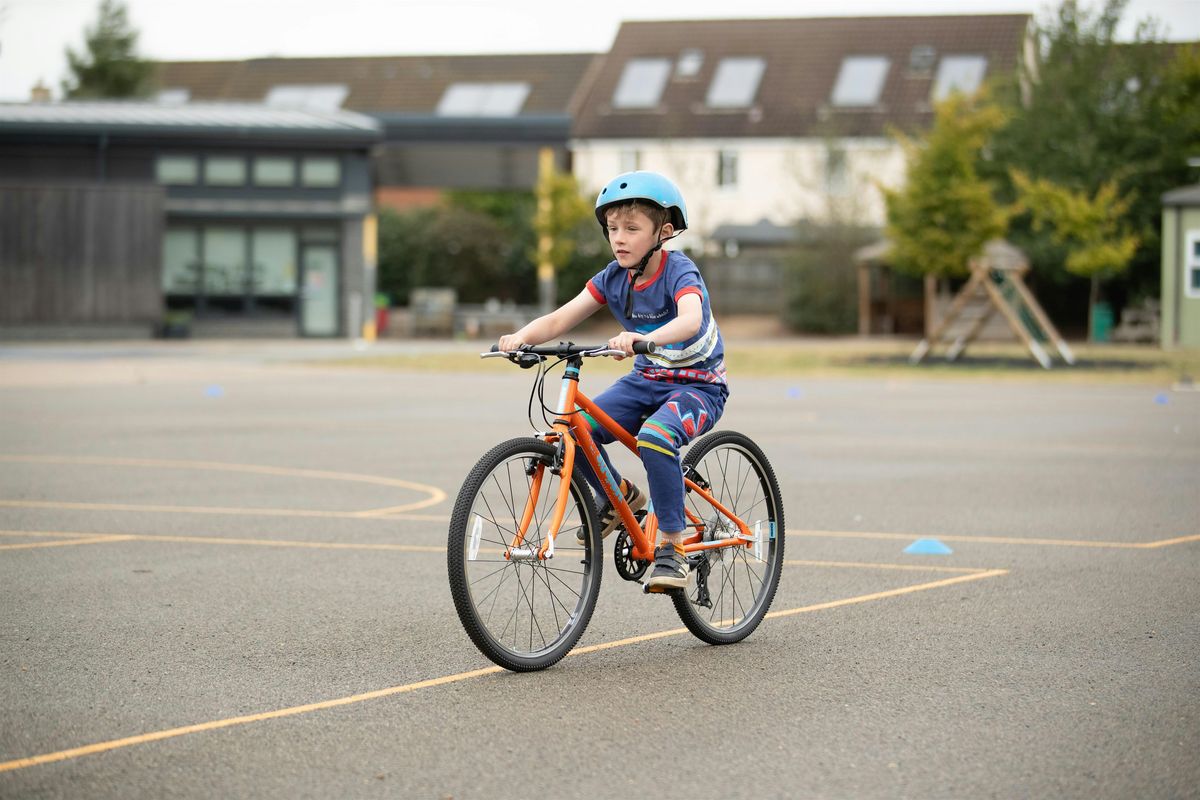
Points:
(730, 588)
(522, 612)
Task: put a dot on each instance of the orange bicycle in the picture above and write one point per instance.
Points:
(525, 552)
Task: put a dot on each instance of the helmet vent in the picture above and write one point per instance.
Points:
(624, 185)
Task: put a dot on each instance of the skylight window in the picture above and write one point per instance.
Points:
(735, 82)
(959, 74)
(483, 99)
(642, 83)
(689, 63)
(860, 81)
(172, 97)
(311, 97)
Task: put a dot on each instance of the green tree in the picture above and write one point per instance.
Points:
(109, 66)
(1090, 110)
(1091, 228)
(946, 211)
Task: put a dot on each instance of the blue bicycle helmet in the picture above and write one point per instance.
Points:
(641, 185)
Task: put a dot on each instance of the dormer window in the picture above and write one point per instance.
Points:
(921, 59)
(860, 81)
(483, 99)
(735, 83)
(642, 82)
(959, 74)
(311, 97)
(689, 63)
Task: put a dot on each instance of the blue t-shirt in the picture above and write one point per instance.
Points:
(698, 359)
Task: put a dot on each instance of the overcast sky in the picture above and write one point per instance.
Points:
(35, 33)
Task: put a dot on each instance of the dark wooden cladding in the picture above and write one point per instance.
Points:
(81, 253)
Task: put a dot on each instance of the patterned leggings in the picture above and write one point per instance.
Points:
(664, 417)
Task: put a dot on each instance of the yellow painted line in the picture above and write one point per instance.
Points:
(66, 542)
(874, 565)
(1014, 540)
(867, 598)
(115, 744)
(1169, 542)
(250, 512)
(150, 537)
(436, 495)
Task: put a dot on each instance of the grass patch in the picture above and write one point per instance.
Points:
(855, 358)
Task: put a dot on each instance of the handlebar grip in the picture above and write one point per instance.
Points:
(645, 348)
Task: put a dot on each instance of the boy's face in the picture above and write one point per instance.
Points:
(631, 234)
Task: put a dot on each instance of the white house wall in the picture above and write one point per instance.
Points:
(781, 180)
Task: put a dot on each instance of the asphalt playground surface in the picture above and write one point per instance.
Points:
(222, 574)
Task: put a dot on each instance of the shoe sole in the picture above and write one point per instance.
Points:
(665, 584)
(635, 507)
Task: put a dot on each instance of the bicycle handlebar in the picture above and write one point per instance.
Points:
(567, 349)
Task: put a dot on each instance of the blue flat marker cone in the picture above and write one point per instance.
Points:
(928, 547)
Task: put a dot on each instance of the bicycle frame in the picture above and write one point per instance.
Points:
(572, 430)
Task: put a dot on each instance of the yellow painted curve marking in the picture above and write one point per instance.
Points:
(436, 495)
(129, 741)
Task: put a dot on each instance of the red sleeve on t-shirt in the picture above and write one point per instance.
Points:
(596, 293)
(688, 290)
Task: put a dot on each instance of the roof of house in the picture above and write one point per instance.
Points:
(1183, 196)
(780, 77)
(413, 85)
(220, 119)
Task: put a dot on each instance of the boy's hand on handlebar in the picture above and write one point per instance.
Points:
(509, 342)
(623, 341)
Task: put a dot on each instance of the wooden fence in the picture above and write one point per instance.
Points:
(81, 254)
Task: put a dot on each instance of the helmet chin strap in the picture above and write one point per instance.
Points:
(641, 267)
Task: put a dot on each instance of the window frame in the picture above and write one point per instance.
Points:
(628, 80)
(1191, 265)
(727, 168)
(844, 76)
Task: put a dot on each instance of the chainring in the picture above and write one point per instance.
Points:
(628, 567)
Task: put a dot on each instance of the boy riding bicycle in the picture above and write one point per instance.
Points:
(670, 397)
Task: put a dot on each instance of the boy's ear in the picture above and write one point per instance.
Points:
(666, 231)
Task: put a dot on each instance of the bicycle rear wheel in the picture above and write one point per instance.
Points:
(730, 589)
(522, 612)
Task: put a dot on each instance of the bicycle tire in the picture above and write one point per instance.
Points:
(739, 586)
(524, 615)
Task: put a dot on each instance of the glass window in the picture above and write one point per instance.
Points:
(274, 261)
(224, 170)
(320, 171)
(177, 170)
(860, 81)
(837, 174)
(735, 82)
(958, 74)
(483, 99)
(921, 59)
(181, 261)
(689, 63)
(727, 164)
(225, 263)
(172, 97)
(641, 84)
(274, 171)
(315, 97)
(1191, 265)
(630, 160)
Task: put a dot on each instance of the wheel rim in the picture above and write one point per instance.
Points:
(525, 606)
(737, 579)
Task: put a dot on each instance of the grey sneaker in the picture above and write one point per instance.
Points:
(670, 569)
(610, 520)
